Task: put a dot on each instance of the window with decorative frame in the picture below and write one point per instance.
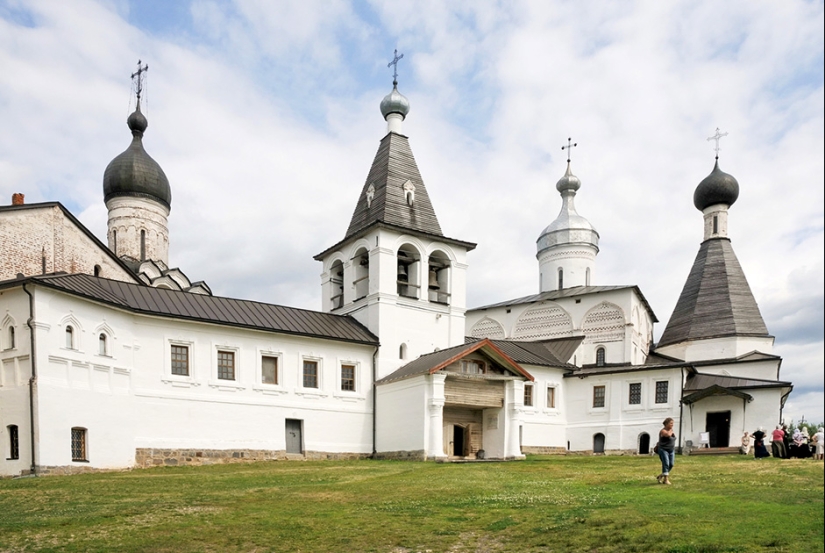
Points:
(528, 395)
(69, 337)
(180, 360)
(14, 442)
(551, 397)
(600, 357)
(12, 343)
(661, 391)
(598, 396)
(634, 396)
(79, 444)
(102, 344)
(348, 377)
(310, 373)
(226, 365)
(269, 370)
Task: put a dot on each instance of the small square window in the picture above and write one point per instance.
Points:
(528, 395)
(180, 360)
(598, 396)
(310, 374)
(348, 378)
(269, 370)
(635, 395)
(78, 444)
(661, 391)
(226, 365)
(551, 397)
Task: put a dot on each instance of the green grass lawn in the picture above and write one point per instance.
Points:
(559, 503)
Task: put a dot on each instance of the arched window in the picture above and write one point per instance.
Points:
(69, 337)
(101, 344)
(143, 245)
(336, 285)
(561, 279)
(402, 351)
(14, 442)
(600, 357)
(12, 344)
(361, 280)
(438, 280)
(587, 277)
(598, 443)
(408, 260)
(97, 270)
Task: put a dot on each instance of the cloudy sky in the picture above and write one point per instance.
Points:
(264, 116)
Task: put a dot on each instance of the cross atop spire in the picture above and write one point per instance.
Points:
(717, 137)
(137, 78)
(570, 145)
(394, 63)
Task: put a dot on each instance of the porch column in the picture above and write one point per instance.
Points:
(435, 431)
(514, 394)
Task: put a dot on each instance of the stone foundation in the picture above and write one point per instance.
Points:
(66, 470)
(151, 457)
(541, 450)
(415, 455)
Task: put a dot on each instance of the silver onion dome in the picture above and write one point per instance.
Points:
(569, 227)
(395, 102)
(717, 188)
(134, 172)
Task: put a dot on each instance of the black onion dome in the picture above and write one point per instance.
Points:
(134, 172)
(716, 188)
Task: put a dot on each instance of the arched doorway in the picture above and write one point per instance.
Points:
(644, 443)
(598, 443)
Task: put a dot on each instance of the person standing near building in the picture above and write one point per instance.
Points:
(819, 442)
(778, 443)
(759, 449)
(666, 448)
(746, 443)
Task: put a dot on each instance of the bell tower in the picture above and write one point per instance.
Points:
(395, 271)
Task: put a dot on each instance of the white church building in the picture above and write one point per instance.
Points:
(111, 359)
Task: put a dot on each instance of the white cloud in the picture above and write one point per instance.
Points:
(266, 121)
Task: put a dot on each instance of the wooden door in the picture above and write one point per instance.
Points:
(294, 436)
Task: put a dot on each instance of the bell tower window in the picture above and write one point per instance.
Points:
(407, 273)
(438, 279)
(361, 282)
(336, 285)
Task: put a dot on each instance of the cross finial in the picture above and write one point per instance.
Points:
(716, 137)
(394, 62)
(570, 145)
(137, 78)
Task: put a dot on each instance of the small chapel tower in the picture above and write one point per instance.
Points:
(395, 271)
(567, 248)
(138, 197)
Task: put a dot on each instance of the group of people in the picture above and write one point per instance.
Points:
(785, 445)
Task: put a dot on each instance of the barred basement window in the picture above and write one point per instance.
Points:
(14, 442)
(226, 365)
(79, 444)
(635, 397)
(348, 378)
(310, 374)
(598, 396)
(269, 370)
(551, 398)
(180, 360)
(661, 391)
(528, 395)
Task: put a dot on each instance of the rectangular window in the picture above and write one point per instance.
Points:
(226, 365)
(635, 397)
(598, 396)
(472, 366)
(348, 378)
(180, 360)
(310, 374)
(528, 395)
(78, 444)
(14, 442)
(661, 391)
(269, 370)
(551, 398)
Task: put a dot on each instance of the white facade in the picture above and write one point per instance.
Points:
(138, 228)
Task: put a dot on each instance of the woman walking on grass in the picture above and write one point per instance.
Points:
(666, 449)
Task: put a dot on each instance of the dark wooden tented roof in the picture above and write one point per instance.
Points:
(211, 309)
(716, 300)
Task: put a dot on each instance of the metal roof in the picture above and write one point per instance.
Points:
(434, 362)
(701, 381)
(716, 300)
(549, 353)
(210, 309)
(571, 292)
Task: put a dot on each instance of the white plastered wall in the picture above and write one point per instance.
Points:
(543, 425)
